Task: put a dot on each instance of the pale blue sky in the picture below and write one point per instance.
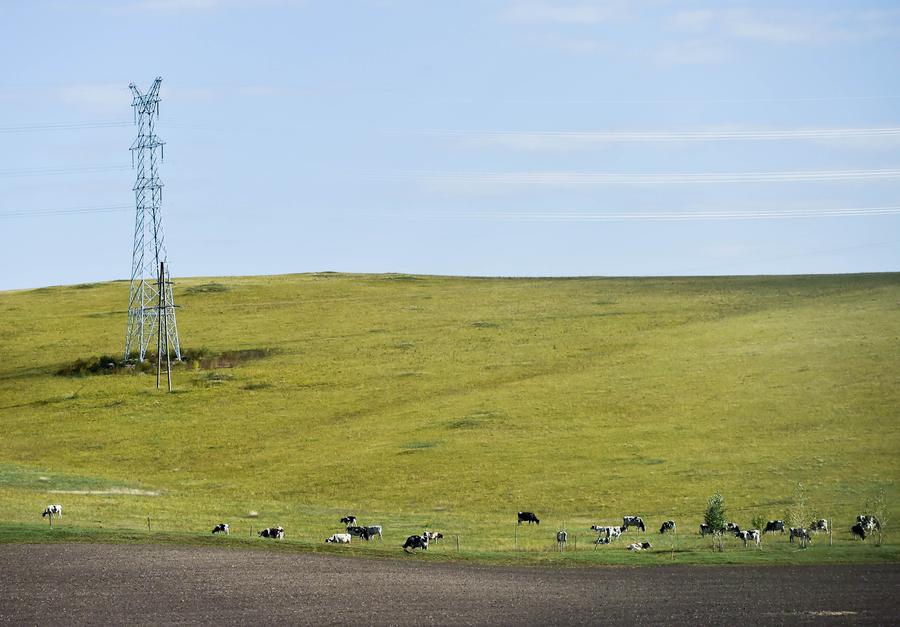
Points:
(476, 138)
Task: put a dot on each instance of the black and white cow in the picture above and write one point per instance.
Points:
(609, 532)
(374, 530)
(800, 533)
(360, 532)
(819, 525)
(528, 517)
(750, 534)
(338, 538)
(858, 531)
(668, 525)
(53, 510)
(415, 542)
(432, 536)
(561, 538)
(773, 526)
(602, 540)
(705, 529)
(349, 520)
(639, 546)
(869, 523)
(730, 527)
(633, 521)
(221, 528)
(272, 532)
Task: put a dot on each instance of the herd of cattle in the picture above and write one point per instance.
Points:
(865, 524)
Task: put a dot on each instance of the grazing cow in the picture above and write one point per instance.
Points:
(53, 510)
(221, 528)
(870, 523)
(433, 536)
(799, 532)
(773, 526)
(750, 534)
(338, 538)
(272, 532)
(528, 517)
(561, 538)
(349, 520)
(819, 525)
(858, 531)
(374, 530)
(362, 532)
(633, 521)
(732, 528)
(639, 546)
(705, 529)
(415, 542)
(668, 525)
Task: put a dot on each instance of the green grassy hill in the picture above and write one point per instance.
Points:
(455, 402)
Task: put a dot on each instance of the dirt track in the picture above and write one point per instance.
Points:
(80, 583)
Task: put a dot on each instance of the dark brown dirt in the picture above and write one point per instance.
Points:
(114, 584)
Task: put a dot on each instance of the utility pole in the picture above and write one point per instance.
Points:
(150, 302)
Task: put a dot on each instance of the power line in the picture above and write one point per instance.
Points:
(27, 128)
(52, 171)
(56, 212)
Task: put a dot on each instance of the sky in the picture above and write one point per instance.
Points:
(490, 138)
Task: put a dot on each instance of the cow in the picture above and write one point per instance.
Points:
(819, 525)
(633, 521)
(705, 529)
(668, 525)
(561, 538)
(858, 531)
(730, 527)
(602, 540)
(870, 523)
(361, 532)
(338, 538)
(432, 536)
(349, 520)
(799, 532)
(53, 510)
(415, 542)
(639, 546)
(374, 530)
(272, 532)
(750, 534)
(773, 526)
(609, 532)
(528, 517)
(221, 528)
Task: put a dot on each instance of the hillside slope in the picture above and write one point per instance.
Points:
(458, 401)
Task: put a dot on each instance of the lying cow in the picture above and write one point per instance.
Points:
(602, 540)
(415, 542)
(633, 521)
(221, 528)
(858, 531)
(432, 536)
(349, 520)
(668, 525)
(272, 532)
(819, 525)
(338, 538)
(53, 510)
(800, 533)
(639, 546)
(528, 517)
(773, 526)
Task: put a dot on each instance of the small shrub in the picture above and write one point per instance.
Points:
(715, 518)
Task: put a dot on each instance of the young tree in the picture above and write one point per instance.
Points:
(715, 518)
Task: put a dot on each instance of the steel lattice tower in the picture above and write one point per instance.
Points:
(145, 303)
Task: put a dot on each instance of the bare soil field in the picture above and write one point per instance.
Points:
(112, 584)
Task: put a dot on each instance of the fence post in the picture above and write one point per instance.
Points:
(575, 540)
(51, 520)
(830, 532)
(457, 544)
(148, 524)
(517, 538)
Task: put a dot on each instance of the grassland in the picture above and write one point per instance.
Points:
(452, 403)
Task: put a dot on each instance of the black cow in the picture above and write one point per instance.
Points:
(858, 531)
(705, 529)
(349, 520)
(633, 521)
(415, 542)
(528, 517)
(668, 525)
(773, 526)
